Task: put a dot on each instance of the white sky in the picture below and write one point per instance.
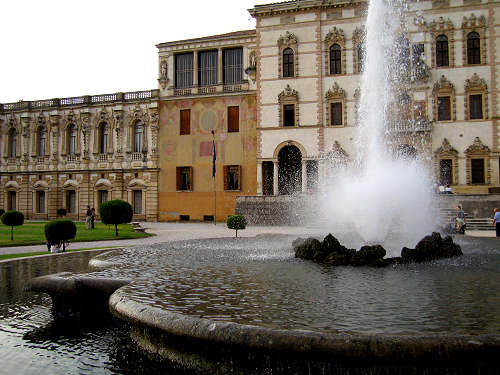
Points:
(63, 48)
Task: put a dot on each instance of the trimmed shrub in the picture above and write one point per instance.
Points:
(115, 212)
(236, 222)
(61, 212)
(12, 219)
(60, 231)
(2, 211)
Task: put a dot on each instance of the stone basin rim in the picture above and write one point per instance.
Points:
(406, 348)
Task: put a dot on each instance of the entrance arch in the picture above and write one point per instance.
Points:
(289, 170)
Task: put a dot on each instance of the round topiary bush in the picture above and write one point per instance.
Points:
(60, 231)
(12, 219)
(236, 222)
(115, 212)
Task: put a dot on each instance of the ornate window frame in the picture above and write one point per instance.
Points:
(476, 86)
(358, 40)
(335, 36)
(289, 40)
(443, 87)
(478, 25)
(478, 150)
(443, 27)
(288, 96)
(12, 126)
(446, 151)
(335, 95)
(103, 117)
(136, 115)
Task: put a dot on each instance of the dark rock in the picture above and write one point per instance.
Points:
(368, 255)
(430, 248)
(308, 249)
(340, 258)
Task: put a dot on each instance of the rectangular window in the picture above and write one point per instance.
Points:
(11, 204)
(444, 108)
(184, 70)
(137, 202)
(207, 68)
(233, 119)
(475, 107)
(477, 171)
(232, 175)
(185, 126)
(40, 202)
(445, 172)
(417, 54)
(233, 65)
(184, 178)
(71, 201)
(312, 174)
(103, 196)
(336, 113)
(289, 115)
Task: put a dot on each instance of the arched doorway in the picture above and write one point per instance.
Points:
(289, 170)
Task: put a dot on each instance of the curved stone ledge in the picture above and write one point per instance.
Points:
(160, 327)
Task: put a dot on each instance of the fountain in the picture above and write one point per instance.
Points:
(247, 305)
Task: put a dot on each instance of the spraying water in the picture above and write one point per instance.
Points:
(381, 196)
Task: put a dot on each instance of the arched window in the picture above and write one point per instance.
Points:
(473, 48)
(72, 139)
(103, 138)
(442, 58)
(288, 65)
(138, 136)
(42, 137)
(12, 143)
(335, 59)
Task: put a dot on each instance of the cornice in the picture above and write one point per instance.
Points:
(300, 5)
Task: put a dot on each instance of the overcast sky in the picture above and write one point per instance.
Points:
(63, 48)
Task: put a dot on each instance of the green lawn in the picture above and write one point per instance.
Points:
(32, 233)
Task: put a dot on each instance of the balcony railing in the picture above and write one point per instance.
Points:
(207, 90)
(79, 100)
(412, 126)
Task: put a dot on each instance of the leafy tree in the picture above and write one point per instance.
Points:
(60, 231)
(115, 212)
(236, 222)
(13, 219)
(61, 212)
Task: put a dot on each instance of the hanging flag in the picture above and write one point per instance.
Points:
(214, 156)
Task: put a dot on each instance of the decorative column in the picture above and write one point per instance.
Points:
(54, 137)
(118, 128)
(25, 120)
(304, 176)
(220, 72)
(85, 118)
(153, 113)
(275, 178)
(259, 178)
(195, 69)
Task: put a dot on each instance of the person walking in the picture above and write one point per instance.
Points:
(88, 217)
(460, 220)
(496, 221)
(93, 216)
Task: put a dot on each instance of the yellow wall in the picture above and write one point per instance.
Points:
(187, 151)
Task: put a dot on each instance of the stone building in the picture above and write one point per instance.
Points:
(207, 97)
(309, 63)
(282, 103)
(74, 152)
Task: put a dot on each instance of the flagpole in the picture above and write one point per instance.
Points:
(214, 156)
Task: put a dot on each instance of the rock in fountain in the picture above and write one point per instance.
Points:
(330, 251)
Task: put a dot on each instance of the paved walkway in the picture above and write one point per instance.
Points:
(166, 232)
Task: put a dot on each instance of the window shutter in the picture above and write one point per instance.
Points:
(178, 178)
(233, 119)
(185, 126)
(226, 177)
(190, 187)
(239, 177)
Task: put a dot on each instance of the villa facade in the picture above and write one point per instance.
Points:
(281, 101)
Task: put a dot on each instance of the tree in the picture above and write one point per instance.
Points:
(61, 212)
(60, 231)
(115, 212)
(2, 211)
(13, 219)
(236, 222)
